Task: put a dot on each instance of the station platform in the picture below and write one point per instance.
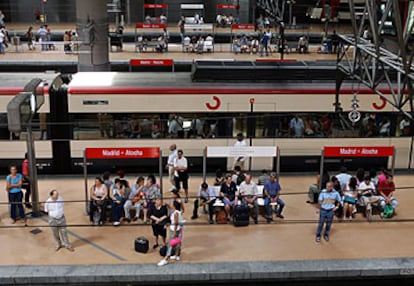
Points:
(282, 250)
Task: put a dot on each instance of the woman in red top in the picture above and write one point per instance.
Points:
(26, 181)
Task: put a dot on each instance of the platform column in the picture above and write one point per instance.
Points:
(92, 27)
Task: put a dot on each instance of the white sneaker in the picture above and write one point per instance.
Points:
(162, 262)
(117, 223)
(174, 257)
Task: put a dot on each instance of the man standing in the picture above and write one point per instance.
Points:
(26, 181)
(239, 160)
(297, 127)
(329, 201)
(271, 191)
(57, 220)
(248, 195)
(181, 173)
(207, 196)
(170, 163)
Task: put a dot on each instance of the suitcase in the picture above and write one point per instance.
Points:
(141, 245)
(241, 215)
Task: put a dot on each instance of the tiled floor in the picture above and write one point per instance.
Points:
(289, 239)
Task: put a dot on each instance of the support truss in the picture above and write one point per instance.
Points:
(385, 59)
(275, 9)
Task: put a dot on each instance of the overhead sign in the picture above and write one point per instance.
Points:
(242, 26)
(155, 6)
(151, 62)
(250, 151)
(122, 153)
(150, 26)
(192, 6)
(358, 151)
(227, 6)
(198, 26)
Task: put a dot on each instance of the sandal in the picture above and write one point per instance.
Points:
(155, 246)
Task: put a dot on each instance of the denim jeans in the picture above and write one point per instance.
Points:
(117, 210)
(268, 207)
(325, 216)
(15, 200)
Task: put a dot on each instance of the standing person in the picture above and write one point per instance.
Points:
(14, 190)
(239, 160)
(207, 196)
(43, 37)
(159, 218)
(175, 235)
(181, 173)
(30, 36)
(2, 17)
(26, 181)
(296, 126)
(329, 200)
(2, 40)
(271, 191)
(57, 221)
(181, 25)
(170, 163)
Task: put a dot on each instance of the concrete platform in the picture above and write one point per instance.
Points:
(283, 249)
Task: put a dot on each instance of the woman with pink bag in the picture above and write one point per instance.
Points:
(175, 241)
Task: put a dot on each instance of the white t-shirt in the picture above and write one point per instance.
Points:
(240, 144)
(180, 220)
(180, 163)
(54, 208)
(1, 37)
(248, 189)
(171, 157)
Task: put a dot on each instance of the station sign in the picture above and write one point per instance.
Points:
(227, 6)
(150, 26)
(151, 62)
(242, 26)
(155, 6)
(358, 151)
(122, 153)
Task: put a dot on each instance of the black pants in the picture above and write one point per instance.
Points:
(95, 207)
(26, 186)
(182, 177)
(210, 207)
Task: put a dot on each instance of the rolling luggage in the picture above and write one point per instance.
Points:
(241, 215)
(141, 245)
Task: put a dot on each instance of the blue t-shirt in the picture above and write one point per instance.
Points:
(272, 188)
(328, 199)
(14, 181)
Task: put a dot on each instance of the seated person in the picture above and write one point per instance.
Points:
(200, 45)
(386, 191)
(151, 193)
(254, 46)
(207, 196)
(193, 43)
(368, 195)
(134, 199)
(236, 45)
(244, 44)
(303, 45)
(263, 178)
(247, 194)
(350, 197)
(271, 191)
(116, 194)
(314, 191)
(228, 193)
(219, 180)
(238, 176)
(186, 43)
(98, 197)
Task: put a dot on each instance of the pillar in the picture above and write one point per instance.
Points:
(92, 28)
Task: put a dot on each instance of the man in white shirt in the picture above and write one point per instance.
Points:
(170, 163)
(247, 194)
(368, 195)
(239, 160)
(343, 177)
(181, 173)
(57, 220)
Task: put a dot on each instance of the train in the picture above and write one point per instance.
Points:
(90, 109)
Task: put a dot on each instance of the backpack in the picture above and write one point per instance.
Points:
(388, 211)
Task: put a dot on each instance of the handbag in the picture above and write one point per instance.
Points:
(350, 200)
(388, 211)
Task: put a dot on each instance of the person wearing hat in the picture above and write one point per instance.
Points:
(207, 195)
(271, 192)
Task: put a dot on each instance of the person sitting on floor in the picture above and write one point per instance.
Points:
(207, 196)
(247, 194)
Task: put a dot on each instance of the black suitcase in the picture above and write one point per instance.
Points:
(241, 215)
(141, 245)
